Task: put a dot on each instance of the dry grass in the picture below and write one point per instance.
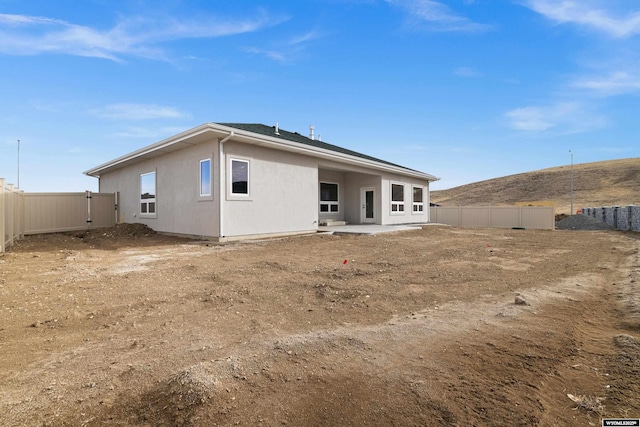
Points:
(608, 183)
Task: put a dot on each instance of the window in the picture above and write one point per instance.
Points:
(148, 194)
(418, 204)
(205, 178)
(329, 197)
(397, 198)
(239, 177)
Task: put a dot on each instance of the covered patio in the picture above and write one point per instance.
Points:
(366, 229)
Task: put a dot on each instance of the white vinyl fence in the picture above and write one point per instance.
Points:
(11, 214)
(55, 212)
(34, 213)
(537, 217)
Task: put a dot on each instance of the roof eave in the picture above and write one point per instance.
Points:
(326, 154)
(183, 136)
(258, 139)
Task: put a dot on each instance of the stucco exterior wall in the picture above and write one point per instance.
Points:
(353, 202)
(353, 180)
(180, 209)
(407, 216)
(334, 177)
(351, 197)
(283, 193)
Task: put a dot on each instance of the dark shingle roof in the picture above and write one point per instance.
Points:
(296, 137)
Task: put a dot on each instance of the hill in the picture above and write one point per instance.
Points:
(607, 183)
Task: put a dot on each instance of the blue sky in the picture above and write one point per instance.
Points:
(465, 90)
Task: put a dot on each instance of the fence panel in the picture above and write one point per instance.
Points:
(3, 216)
(56, 212)
(537, 217)
(506, 217)
(103, 211)
(33, 213)
(51, 212)
(475, 217)
(9, 218)
(18, 214)
(445, 215)
(11, 208)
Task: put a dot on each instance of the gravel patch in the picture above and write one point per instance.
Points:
(582, 222)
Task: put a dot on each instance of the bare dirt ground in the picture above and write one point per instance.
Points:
(125, 327)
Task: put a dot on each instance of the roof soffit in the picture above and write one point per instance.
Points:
(206, 131)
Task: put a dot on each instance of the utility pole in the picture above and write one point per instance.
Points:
(571, 212)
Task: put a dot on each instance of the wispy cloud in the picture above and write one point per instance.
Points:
(16, 20)
(466, 72)
(437, 16)
(154, 133)
(559, 118)
(276, 55)
(618, 151)
(529, 119)
(126, 111)
(49, 106)
(305, 38)
(137, 36)
(613, 83)
(288, 50)
(598, 15)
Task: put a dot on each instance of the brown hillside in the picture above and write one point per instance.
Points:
(607, 183)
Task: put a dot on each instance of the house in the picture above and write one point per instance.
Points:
(230, 181)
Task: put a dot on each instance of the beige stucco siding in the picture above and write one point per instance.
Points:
(355, 183)
(180, 209)
(407, 216)
(283, 188)
(333, 177)
(283, 192)
(352, 180)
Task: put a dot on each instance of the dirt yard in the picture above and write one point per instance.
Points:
(416, 328)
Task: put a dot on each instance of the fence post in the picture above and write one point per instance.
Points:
(117, 201)
(88, 209)
(2, 217)
(9, 209)
(21, 214)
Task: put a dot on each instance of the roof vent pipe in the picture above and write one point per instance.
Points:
(311, 128)
(277, 129)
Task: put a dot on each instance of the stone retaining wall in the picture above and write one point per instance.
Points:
(620, 217)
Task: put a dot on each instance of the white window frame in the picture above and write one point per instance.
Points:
(231, 194)
(147, 203)
(329, 203)
(397, 206)
(418, 207)
(209, 195)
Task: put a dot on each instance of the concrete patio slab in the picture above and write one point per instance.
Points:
(366, 229)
